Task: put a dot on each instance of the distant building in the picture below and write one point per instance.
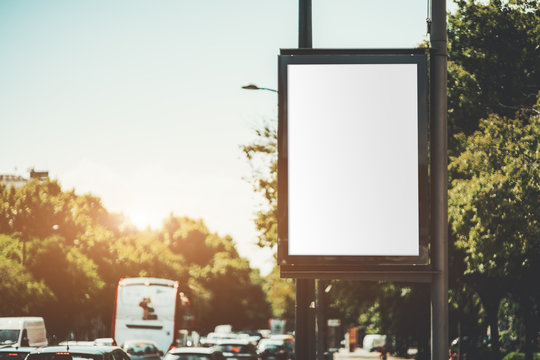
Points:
(12, 180)
(41, 175)
(18, 181)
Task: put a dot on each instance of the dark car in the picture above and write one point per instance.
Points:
(78, 352)
(11, 353)
(194, 353)
(235, 349)
(269, 349)
(142, 350)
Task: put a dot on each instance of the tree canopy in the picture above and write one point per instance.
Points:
(75, 252)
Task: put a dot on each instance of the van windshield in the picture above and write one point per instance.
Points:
(9, 336)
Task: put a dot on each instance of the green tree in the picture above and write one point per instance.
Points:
(75, 252)
(234, 299)
(73, 279)
(262, 155)
(223, 288)
(493, 60)
(493, 68)
(21, 293)
(191, 238)
(494, 212)
(280, 293)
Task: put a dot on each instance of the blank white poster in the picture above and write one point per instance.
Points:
(353, 159)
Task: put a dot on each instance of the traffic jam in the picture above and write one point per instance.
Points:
(144, 327)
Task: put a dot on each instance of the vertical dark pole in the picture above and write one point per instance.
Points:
(305, 324)
(439, 183)
(304, 24)
(320, 306)
(305, 288)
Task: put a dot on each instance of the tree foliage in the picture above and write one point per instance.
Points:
(493, 60)
(493, 85)
(494, 212)
(262, 153)
(75, 252)
(494, 197)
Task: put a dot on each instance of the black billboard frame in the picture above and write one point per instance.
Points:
(383, 267)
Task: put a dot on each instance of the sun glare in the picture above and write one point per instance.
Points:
(144, 220)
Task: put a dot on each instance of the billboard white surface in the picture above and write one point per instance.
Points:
(352, 149)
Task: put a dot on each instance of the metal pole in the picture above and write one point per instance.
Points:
(305, 327)
(439, 182)
(320, 307)
(305, 288)
(304, 24)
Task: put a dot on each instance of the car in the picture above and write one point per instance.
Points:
(214, 338)
(288, 341)
(235, 349)
(142, 350)
(275, 349)
(15, 353)
(194, 353)
(78, 352)
(105, 341)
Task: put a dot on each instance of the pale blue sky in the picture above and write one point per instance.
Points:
(140, 101)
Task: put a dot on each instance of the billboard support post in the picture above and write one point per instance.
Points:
(304, 25)
(305, 288)
(439, 182)
(305, 319)
(321, 319)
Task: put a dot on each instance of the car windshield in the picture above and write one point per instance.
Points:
(9, 336)
(272, 346)
(141, 348)
(64, 356)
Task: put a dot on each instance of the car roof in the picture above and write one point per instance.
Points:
(272, 341)
(240, 341)
(77, 343)
(17, 349)
(89, 349)
(281, 337)
(192, 350)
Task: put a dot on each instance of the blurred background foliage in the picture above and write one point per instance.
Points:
(62, 254)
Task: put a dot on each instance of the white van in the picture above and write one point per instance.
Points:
(23, 331)
(373, 341)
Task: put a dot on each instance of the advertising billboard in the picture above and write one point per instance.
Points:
(352, 159)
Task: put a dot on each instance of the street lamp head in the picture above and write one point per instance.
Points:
(255, 87)
(250, 87)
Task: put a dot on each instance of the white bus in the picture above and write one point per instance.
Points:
(149, 309)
